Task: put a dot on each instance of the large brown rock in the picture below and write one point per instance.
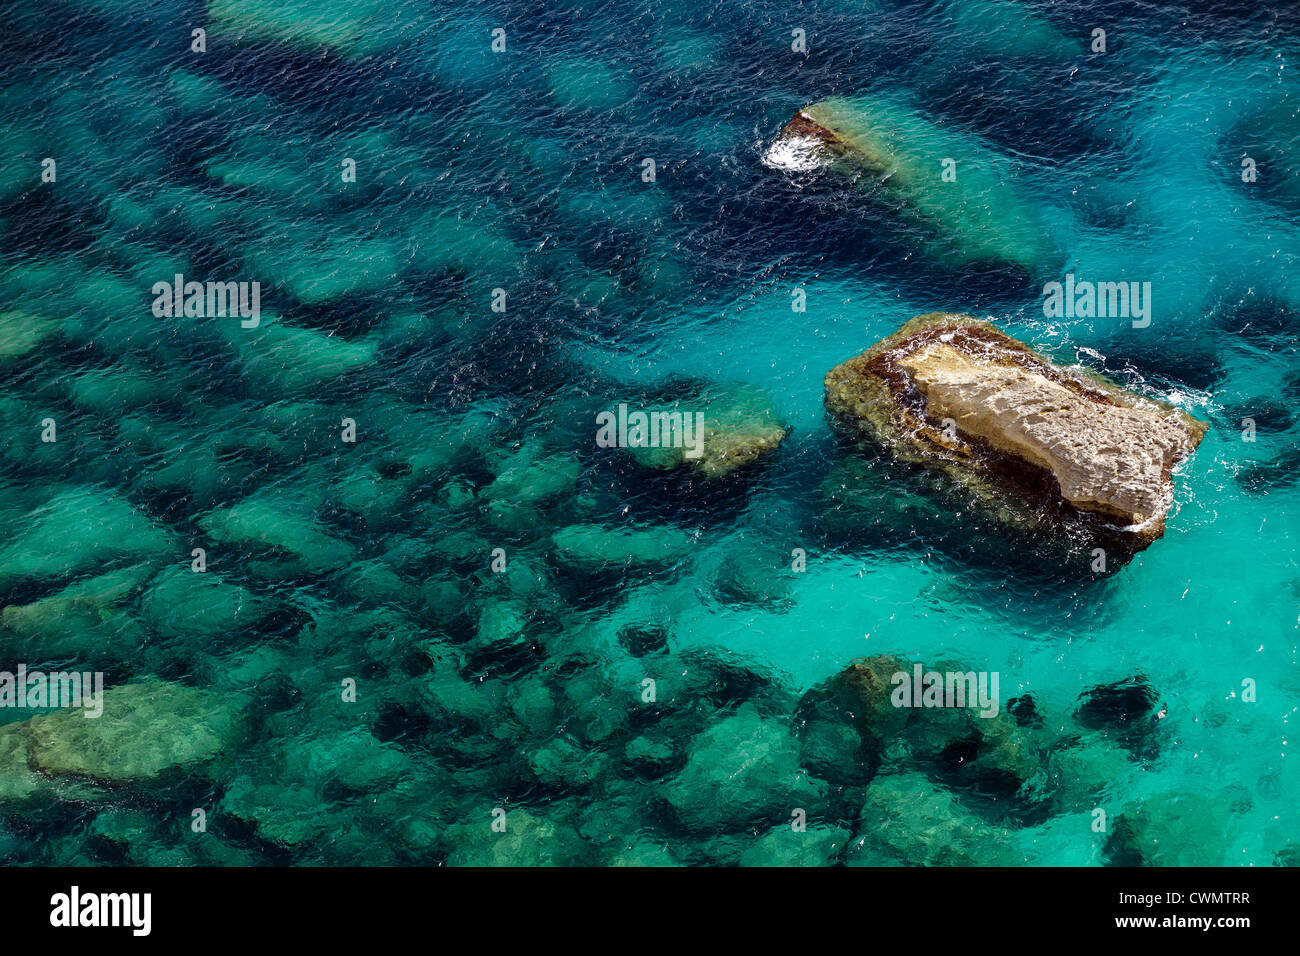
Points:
(955, 393)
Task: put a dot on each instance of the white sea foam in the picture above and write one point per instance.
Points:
(796, 154)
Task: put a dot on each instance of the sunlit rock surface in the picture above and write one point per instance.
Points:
(954, 393)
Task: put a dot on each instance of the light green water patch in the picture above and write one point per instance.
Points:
(587, 85)
(360, 29)
(79, 528)
(318, 265)
(175, 214)
(894, 151)
(462, 53)
(687, 53)
(1008, 28)
(284, 521)
(22, 332)
(118, 390)
(478, 243)
(264, 174)
(385, 157)
(87, 622)
(194, 92)
(279, 357)
(302, 171)
(594, 547)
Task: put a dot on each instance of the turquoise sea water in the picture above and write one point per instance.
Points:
(370, 562)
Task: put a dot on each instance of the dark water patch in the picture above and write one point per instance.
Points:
(504, 659)
(397, 723)
(644, 640)
(1265, 321)
(1273, 474)
(299, 78)
(1269, 415)
(1182, 360)
(1125, 711)
(43, 223)
(991, 102)
(1025, 711)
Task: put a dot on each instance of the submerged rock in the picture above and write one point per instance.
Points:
(593, 547)
(755, 577)
(360, 29)
(1124, 712)
(287, 814)
(21, 332)
(784, 846)
(743, 771)
(895, 154)
(280, 523)
(1007, 28)
(529, 476)
(863, 723)
(181, 603)
(856, 699)
(285, 358)
(908, 821)
(86, 621)
(1120, 704)
(736, 427)
(529, 839)
(146, 729)
(1036, 440)
(1289, 855)
(643, 853)
(80, 528)
(21, 786)
(1176, 829)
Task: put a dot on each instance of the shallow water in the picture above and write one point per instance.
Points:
(370, 561)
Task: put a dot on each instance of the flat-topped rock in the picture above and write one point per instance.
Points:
(955, 393)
